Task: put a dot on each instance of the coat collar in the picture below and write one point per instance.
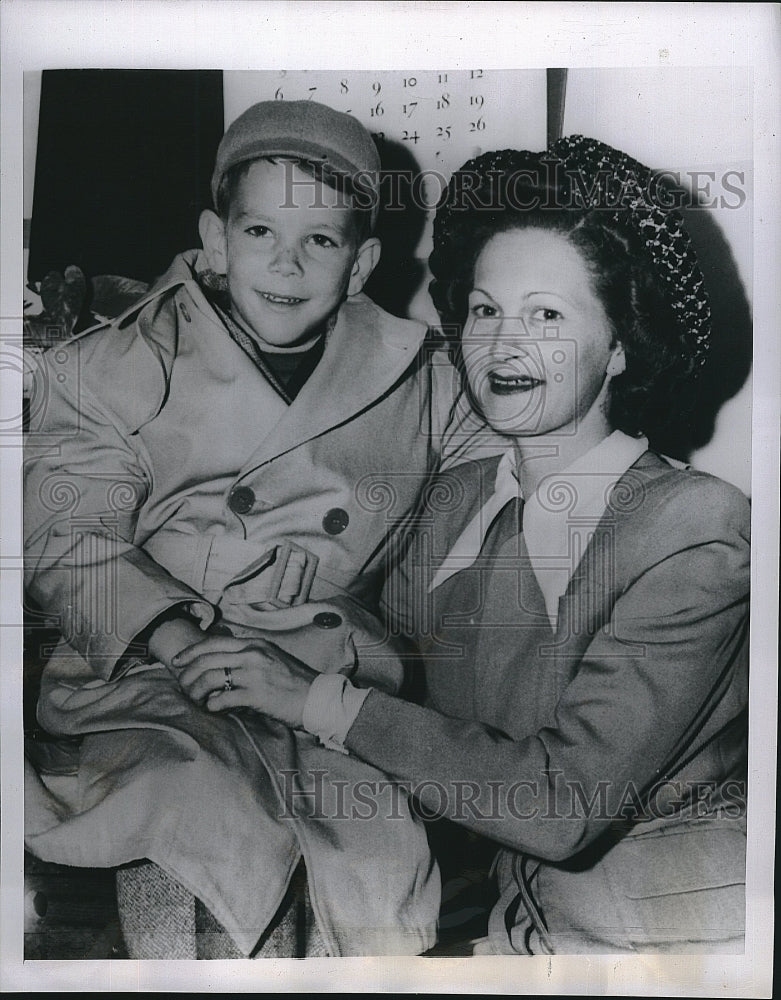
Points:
(367, 352)
(182, 271)
(557, 519)
(601, 575)
(592, 584)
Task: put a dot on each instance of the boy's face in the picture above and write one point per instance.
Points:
(289, 250)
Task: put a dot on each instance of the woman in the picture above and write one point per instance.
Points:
(586, 666)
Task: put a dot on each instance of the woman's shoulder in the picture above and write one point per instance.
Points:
(689, 529)
(681, 501)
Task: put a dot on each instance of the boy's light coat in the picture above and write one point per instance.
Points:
(140, 432)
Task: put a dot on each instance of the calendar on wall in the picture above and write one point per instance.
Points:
(429, 121)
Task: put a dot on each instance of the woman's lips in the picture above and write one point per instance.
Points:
(506, 385)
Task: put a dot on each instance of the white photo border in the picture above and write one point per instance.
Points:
(252, 34)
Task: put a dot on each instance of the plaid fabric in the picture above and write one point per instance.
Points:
(162, 920)
(157, 914)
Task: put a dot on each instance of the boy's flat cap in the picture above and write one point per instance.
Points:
(303, 129)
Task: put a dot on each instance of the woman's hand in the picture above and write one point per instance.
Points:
(224, 672)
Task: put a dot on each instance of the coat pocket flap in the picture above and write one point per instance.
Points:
(694, 856)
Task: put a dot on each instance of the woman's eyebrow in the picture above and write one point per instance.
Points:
(527, 295)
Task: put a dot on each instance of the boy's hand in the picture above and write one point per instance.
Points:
(223, 672)
(175, 630)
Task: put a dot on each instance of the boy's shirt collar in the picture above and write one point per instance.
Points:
(215, 289)
(367, 352)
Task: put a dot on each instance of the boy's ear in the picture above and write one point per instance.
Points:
(212, 231)
(366, 259)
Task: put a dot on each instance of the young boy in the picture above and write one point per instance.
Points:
(231, 454)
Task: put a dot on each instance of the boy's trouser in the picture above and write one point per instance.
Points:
(162, 920)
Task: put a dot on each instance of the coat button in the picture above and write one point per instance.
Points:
(336, 520)
(327, 619)
(241, 500)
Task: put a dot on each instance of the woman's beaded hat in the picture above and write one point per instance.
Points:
(589, 174)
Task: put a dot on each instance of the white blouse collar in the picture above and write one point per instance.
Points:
(558, 519)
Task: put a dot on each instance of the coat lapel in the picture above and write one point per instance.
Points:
(367, 351)
(600, 577)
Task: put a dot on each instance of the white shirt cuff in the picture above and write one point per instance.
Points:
(331, 708)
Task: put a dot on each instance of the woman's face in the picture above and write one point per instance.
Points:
(537, 341)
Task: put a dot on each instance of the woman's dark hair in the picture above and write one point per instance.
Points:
(359, 199)
(519, 190)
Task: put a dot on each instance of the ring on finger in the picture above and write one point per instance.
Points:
(228, 685)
